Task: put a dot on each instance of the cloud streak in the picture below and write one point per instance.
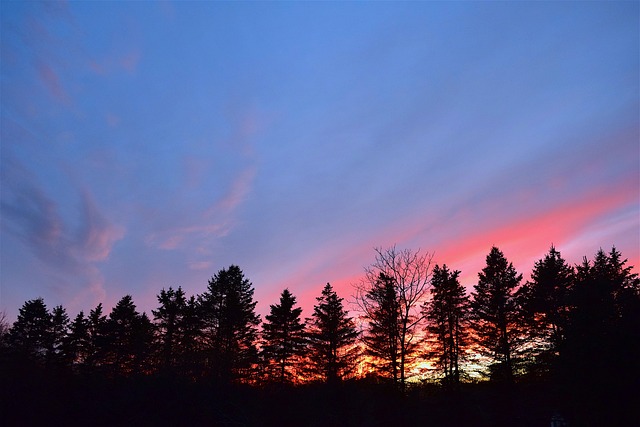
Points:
(33, 216)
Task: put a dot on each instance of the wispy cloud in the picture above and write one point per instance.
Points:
(200, 265)
(214, 222)
(52, 82)
(98, 235)
(195, 229)
(71, 250)
(236, 194)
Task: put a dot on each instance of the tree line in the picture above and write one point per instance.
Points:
(569, 325)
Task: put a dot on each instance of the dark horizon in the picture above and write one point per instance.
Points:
(563, 346)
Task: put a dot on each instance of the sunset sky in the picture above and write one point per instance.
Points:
(150, 144)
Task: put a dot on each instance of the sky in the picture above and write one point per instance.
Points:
(151, 144)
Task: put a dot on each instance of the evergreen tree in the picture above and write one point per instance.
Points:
(599, 358)
(190, 363)
(97, 331)
(495, 314)
(283, 336)
(78, 342)
(59, 331)
(448, 319)
(545, 306)
(169, 325)
(229, 325)
(30, 335)
(129, 336)
(382, 337)
(332, 336)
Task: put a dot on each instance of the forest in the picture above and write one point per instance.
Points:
(411, 347)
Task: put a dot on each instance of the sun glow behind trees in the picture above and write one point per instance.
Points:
(508, 331)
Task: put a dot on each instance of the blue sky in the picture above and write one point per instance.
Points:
(147, 145)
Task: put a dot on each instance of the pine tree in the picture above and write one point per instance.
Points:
(97, 331)
(383, 328)
(129, 336)
(169, 325)
(545, 306)
(190, 363)
(59, 331)
(230, 325)
(332, 336)
(600, 353)
(30, 335)
(495, 314)
(283, 336)
(448, 319)
(78, 344)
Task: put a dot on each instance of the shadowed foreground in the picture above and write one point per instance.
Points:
(31, 398)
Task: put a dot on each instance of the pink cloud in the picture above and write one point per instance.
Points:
(52, 82)
(115, 62)
(238, 191)
(216, 221)
(463, 244)
(98, 236)
(524, 239)
(200, 265)
(173, 238)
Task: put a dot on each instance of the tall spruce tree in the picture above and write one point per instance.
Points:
(283, 338)
(78, 342)
(129, 337)
(600, 353)
(447, 316)
(30, 334)
(57, 353)
(495, 314)
(545, 307)
(230, 325)
(190, 364)
(382, 336)
(332, 336)
(169, 326)
(97, 330)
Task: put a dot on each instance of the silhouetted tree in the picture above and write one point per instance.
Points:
(4, 329)
(332, 337)
(78, 342)
(169, 325)
(229, 325)
(97, 330)
(545, 306)
(382, 313)
(602, 347)
(410, 273)
(495, 314)
(448, 319)
(30, 335)
(129, 336)
(283, 336)
(57, 354)
(190, 362)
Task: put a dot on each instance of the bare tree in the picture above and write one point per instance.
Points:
(4, 326)
(410, 273)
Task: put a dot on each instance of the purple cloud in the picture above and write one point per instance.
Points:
(69, 251)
